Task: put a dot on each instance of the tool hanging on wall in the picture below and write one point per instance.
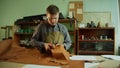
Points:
(7, 32)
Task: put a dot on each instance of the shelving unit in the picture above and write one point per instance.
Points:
(95, 41)
(25, 29)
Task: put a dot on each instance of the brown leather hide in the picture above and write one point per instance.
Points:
(18, 54)
(60, 53)
(5, 46)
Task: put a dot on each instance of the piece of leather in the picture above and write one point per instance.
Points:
(26, 56)
(60, 53)
(5, 46)
(76, 64)
(33, 56)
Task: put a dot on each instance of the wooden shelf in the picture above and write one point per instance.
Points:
(71, 32)
(23, 33)
(96, 40)
(97, 28)
(96, 52)
(89, 38)
(37, 22)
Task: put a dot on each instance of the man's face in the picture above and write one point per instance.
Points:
(52, 18)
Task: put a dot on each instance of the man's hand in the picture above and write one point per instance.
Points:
(49, 46)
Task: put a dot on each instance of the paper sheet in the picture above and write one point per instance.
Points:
(90, 65)
(79, 11)
(39, 66)
(115, 57)
(71, 6)
(82, 57)
(70, 14)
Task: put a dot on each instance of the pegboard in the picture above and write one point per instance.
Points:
(76, 9)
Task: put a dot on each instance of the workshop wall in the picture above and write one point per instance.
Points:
(10, 10)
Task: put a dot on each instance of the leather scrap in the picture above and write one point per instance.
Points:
(5, 46)
(60, 53)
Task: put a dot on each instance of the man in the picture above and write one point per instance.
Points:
(44, 30)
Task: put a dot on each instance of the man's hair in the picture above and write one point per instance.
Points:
(52, 9)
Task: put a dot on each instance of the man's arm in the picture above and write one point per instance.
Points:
(67, 39)
(36, 39)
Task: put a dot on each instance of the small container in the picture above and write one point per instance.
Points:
(82, 37)
(106, 38)
(101, 37)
